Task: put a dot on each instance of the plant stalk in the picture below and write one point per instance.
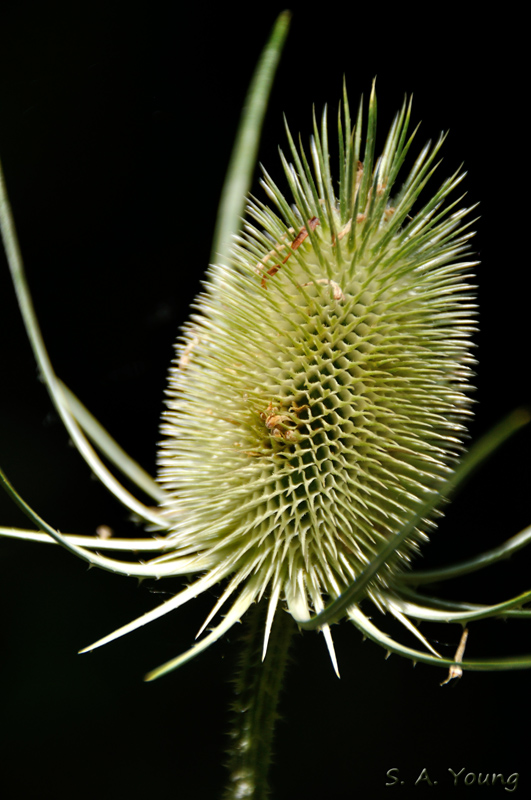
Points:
(257, 688)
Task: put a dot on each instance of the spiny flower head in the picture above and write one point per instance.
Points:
(321, 385)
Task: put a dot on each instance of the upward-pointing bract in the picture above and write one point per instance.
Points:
(321, 387)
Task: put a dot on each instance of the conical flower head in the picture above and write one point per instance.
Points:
(322, 383)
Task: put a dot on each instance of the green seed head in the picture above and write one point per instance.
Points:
(321, 385)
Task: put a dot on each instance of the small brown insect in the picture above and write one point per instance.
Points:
(296, 243)
(280, 425)
(274, 421)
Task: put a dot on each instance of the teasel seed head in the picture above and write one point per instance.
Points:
(321, 386)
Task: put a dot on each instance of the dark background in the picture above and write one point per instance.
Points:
(116, 124)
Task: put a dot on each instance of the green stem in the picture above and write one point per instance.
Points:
(243, 158)
(257, 689)
(481, 561)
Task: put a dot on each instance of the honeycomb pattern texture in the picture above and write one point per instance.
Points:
(321, 387)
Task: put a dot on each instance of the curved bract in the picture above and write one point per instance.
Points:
(320, 389)
(319, 397)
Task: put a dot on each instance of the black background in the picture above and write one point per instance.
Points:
(116, 124)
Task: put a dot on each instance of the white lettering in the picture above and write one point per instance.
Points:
(512, 781)
(456, 774)
(424, 777)
(484, 779)
(393, 774)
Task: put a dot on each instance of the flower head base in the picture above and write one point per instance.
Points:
(316, 408)
(321, 387)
